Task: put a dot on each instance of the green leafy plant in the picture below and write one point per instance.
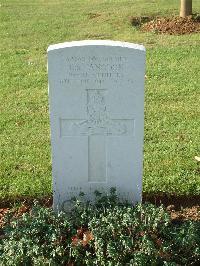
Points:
(40, 236)
(103, 232)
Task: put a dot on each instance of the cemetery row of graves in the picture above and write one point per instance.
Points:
(118, 123)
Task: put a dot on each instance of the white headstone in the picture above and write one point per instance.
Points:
(96, 91)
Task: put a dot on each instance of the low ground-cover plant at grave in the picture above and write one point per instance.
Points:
(106, 232)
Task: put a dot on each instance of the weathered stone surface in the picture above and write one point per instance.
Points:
(96, 91)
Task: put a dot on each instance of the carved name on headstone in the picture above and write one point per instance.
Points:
(96, 91)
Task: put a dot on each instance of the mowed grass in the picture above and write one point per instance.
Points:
(172, 101)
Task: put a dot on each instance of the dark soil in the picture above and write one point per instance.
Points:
(167, 25)
(180, 207)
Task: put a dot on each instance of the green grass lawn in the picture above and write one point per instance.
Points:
(172, 113)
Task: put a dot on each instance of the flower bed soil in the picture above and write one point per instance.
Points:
(60, 235)
(181, 208)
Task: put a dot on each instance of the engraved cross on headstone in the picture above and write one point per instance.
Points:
(97, 126)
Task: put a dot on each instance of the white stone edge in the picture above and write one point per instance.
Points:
(96, 43)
